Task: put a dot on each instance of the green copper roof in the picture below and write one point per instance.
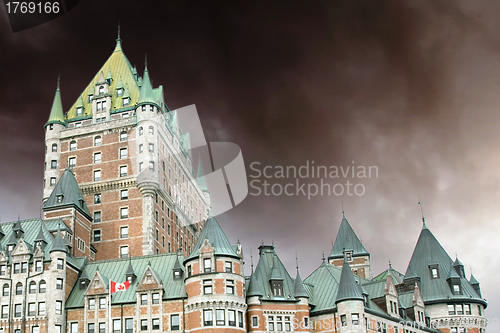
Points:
(473, 280)
(216, 237)
(120, 67)
(325, 279)
(56, 112)
(397, 277)
(347, 240)
(268, 268)
(147, 94)
(299, 290)
(348, 288)
(117, 269)
(58, 244)
(68, 188)
(255, 288)
(428, 251)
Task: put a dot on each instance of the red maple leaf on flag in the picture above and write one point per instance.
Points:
(114, 287)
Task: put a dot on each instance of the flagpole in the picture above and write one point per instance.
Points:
(109, 318)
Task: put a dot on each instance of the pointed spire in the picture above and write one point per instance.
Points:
(422, 211)
(92, 88)
(109, 77)
(275, 271)
(255, 288)
(300, 291)
(118, 46)
(56, 112)
(58, 244)
(347, 240)
(40, 238)
(348, 288)
(200, 176)
(130, 274)
(120, 84)
(147, 93)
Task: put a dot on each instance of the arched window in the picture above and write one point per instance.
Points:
(19, 288)
(72, 145)
(141, 131)
(151, 130)
(123, 136)
(32, 289)
(97, 140)
(5, 290)
(101, 90)
(54, 147)
(42, 286)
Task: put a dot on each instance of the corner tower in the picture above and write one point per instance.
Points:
(347, 245)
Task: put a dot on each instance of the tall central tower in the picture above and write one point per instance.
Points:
(131, 161)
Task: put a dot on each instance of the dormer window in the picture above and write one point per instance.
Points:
(434, 271)
(79, 111)
(207, 265)
(277, 287)
(119, 92)
(126, 101)
(59, 198)
(348, 255)
(101, 90)
(177, 274)
(456, 289)
(90, 98)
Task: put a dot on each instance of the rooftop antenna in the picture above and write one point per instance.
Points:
(343, 212)
(323, 256)
(58, 80)
(251, 260)
(119, 39)
(390, 264)
(421, 210)
(296, 261)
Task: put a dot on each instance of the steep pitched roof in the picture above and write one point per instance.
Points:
(213, 232)
(120, 67)
(325, 279)
(68, 188)
(58, 244)
(347, 240)
(116, 270)
(56, 112)
(429, 251)
(147, 94)
(255, 287)
(269, 267)
(348, 288)
(396, 276)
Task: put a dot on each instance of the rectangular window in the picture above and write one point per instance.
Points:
(459, 309)
(97, 158)
(151, 147)
(151, 165)
(60, 263)
(123, 136)
(123, 153)
(97, 235)
(97, 175)
(31, 309)
(208, 318)
(91, 327)
(35, 329)
(117, 326)
(231, 317)
(91, 303)
(97, 141)
(124, 232)
(59, 284)
(41, 308)
(240, 319)
(230, 287)
(141, 148)
(355, 319)
(156, 298)
(207, 287)
(174, 322)
(220, 317)
(123, 251)
(3, 269)
(72, 162)
(52, 181)
(58, 307)
(255, 321)
(144, 324)
(80, 244)
(102, 303)
(5, 311)
(343, 320)
(451, 309)
(102, 327)
(129, 325)
(467, 309)
(124, 212)
(72, 145)
(126, 101)
(155, 323)
(74, 328)
(24, 267)
(207, 262)
(97, 198)
(123, 194)
(17, 268)
(229, 267)
(123, 171)
(97, 217)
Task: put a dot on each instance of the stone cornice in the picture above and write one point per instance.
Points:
(108, 186)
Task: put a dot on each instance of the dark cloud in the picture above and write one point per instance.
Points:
(410, 87)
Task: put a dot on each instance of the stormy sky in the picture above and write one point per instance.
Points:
(411, 87)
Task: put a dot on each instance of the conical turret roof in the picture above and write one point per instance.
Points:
(299, 290)
(56, 112)
(216, 237)
(348, 288)
(58, 244)
(147, 94)
(255, 288)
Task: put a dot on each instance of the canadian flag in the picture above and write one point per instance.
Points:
(114, 287)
